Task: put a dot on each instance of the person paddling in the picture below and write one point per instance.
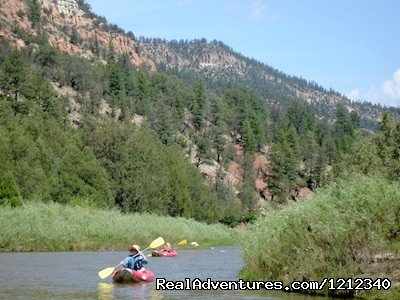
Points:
(135, 261)
(167, 247)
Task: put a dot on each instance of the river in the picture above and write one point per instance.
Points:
(73, 275)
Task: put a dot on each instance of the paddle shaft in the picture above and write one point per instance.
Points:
(140, 252)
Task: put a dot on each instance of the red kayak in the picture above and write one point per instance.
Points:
(163, 253)
(126, 275)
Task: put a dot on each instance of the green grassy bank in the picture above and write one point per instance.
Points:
(55, 227)
(350, 229)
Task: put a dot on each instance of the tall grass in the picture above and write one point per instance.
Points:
(55, 227)
(335, 233)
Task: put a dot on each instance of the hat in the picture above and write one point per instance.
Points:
(135, 247)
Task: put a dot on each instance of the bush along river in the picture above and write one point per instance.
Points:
(73, 275)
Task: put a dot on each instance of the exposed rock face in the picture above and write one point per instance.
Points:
(71, 30)
(61, 19)
(261, 170)
(218, 62)
(69, 8)
(235, 174)
(304, 192)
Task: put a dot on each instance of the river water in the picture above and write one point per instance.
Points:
(73, 275)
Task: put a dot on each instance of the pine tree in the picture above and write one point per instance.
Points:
(301, 117)
(164, 125)
(385, 145)
(74, 38)
(310, 157)
(199, 104)
(258, 130)
(203, 149)
(329, 147)
(14, 76)
(116, 80)
(249, 140)
(248, 189)
(294, 142)
(320, 168)
(9, 191)
(111, 51)
(344, 130)
(285, 168)
(34, 13)
(396, 153)
(218, 129)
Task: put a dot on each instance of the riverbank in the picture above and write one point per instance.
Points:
(348, 230)
(55, 227)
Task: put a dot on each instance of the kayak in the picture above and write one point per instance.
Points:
(162, 253)
(126, 275)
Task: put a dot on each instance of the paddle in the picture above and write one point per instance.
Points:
(155, 244)
(183, 242)
(108, 271)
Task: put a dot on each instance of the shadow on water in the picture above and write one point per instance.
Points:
(74, 276)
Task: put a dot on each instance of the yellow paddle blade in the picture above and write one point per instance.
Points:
(181, 243)
(157, 243)
(106, 272)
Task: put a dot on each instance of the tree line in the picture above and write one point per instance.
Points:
(113, 161)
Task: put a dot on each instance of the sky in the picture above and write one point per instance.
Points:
(352, 46)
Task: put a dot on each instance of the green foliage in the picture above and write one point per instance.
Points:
(198, 104)
(248, 192)
(9, 191)
(34, 13)
(249, 140)
(312, 160)
(334, 234)
(13, 78)
(81, 176)
(388, 145)
(74, 37)
(39, 157)
(285, 168)
(203, 150)
(115, 78)
(139, 167)
(301, 117)
(20, 13)
(146, 176)
(55, 227)
(344, 129)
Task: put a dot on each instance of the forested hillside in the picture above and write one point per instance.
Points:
(109, 131)
(222, 67)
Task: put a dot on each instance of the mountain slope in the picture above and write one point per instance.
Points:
(138, 127)
(72, 27)
(221, 66)
(68, 26)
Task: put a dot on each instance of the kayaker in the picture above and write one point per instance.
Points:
(167, 247)
(135, 261)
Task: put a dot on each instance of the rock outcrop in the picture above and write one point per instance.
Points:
(217, 62)
(70, 29)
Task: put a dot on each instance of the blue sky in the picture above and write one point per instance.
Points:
(352, 46)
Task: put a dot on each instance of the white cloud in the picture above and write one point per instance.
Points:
(388, 93)
(354, 94)
(255, 10)
(392, 87)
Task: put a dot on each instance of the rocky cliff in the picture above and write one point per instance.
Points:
(220, 65)
(67, 26)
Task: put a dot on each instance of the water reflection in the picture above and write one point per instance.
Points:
(74, 276)
(106, 291)
(156, 295)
